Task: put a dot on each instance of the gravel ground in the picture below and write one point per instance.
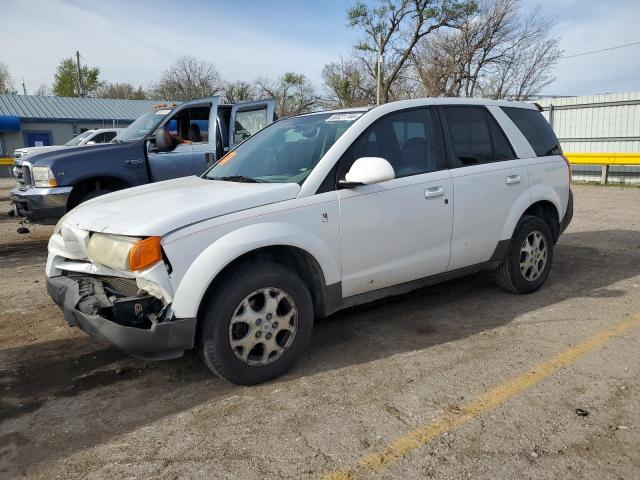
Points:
(73, 408)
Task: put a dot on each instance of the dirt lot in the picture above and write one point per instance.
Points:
(377, 380)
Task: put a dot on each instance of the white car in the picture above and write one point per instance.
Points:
(89, 137)
(313, 214)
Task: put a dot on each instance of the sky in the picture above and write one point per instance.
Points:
(135, 41)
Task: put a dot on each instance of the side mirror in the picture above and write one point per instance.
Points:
(164, 142)
(368, 171)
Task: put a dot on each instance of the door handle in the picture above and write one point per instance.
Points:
(209, 158)
(511, 179)
(434, 192)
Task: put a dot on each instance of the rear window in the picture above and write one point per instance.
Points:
(535, 129)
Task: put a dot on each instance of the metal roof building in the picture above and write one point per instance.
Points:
(49, 120)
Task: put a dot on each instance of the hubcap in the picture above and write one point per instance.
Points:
(263, 326)
(533, 256)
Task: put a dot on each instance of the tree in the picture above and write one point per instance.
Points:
(293, 92)
(188, 78)
(347, 85)
(392, 29)
(68, 82)
(124, 91)
(236, 92)
(43, 90)
(494, 52)
(6, 82)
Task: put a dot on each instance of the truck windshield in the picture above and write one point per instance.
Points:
(285, 152)
(76, 140)
(141, 127)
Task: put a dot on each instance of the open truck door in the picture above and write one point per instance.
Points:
(185, 142)
(248, 118)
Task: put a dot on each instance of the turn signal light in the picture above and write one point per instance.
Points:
(145, 253)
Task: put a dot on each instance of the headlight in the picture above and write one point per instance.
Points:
(43, 177)
(124, 253)
(58, 226)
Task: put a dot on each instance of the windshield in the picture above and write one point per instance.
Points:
(142, 126)
(76, 140)
(285, 152)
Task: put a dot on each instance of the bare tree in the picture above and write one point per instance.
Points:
(43, 90)
(293, 92)
(6, 82)
(394, 27)
(120, 91)
(490, 53)
(347, 85)
(240, 91)
(188, 78)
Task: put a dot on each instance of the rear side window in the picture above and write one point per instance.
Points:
(535, 129)
(475, 137)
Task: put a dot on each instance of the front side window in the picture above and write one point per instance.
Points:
(475, 137)
(99, 138)
(284, 152)
(76, 140)
(141, 127)
(247, 123)
(108, 136)
(535, 129)
(190, 125)
(405, 139)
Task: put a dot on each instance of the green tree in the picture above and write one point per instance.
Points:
(293, 92)
(67, 82)
(235, 92)
(346, 85)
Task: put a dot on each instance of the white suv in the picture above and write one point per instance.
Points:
(313, 214)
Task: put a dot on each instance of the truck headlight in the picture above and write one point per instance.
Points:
(43, 177)
(124, 253)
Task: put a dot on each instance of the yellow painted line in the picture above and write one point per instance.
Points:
(466, 412)
(6, 161)
(604, 158)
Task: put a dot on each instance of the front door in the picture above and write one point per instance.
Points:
(399, 230)
(191, 129)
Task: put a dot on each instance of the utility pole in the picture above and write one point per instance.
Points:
(24, 88)
(379, 71)
(80, 92)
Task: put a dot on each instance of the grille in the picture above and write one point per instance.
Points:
(126, 286)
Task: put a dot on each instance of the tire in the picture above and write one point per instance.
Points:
(521, 271)
(93, 194)
(238, 311)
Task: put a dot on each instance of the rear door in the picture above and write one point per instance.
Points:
(248, 118)
(192, 126)
(488, 178)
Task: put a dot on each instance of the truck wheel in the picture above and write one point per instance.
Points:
(256, 323)
(93, 194)
(528, 261)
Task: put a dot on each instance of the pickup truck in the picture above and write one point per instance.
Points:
(160, 145)
(88, 137)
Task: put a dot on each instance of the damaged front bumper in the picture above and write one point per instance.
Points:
(135, 324)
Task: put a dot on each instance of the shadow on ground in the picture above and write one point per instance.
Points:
(108, 394)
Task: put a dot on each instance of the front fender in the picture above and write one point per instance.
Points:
(536, 193)
(204, 269)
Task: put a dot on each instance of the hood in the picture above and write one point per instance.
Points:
(71, 154)
(33, 150)
(159, 208)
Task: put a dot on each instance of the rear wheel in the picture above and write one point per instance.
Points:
(93, 194)
(256, 324)
(526, 266)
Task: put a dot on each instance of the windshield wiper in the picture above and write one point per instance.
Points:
(239, 178)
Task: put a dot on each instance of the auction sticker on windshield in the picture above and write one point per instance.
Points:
(162, 112)
(342, 117)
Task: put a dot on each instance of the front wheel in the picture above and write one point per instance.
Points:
(526, 266)
(256, 323)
